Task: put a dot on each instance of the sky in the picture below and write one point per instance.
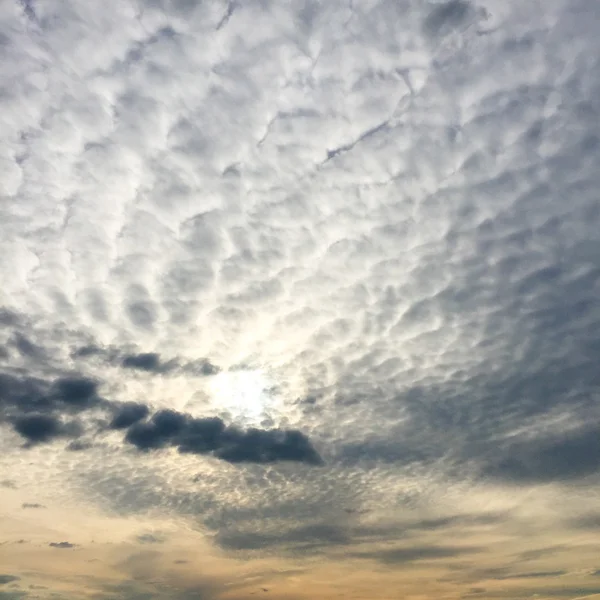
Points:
(300, 299)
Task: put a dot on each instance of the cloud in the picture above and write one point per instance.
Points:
(61, 545)
(23, 395)
(212, 436)
(44, 428)
(447, 15)
(572, 455)
(8, 483)
(36, 408)
(149, 538)
(78, 392)
(149, 361)
(32, 505)
(28, 348)
(299, 539)
(127, 414)
(4, 579)
(389, 210)
(532, 575)
(398, 556)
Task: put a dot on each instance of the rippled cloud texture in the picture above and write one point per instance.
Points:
(299, 299)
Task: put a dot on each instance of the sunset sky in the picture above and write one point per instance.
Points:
(299, 299)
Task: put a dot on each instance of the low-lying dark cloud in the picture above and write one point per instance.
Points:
(41, 412)
(127, 414)
(32, 505)
(24, 395)
(61, 545)
(213, 436)
(149, 362)
(42, 428)
(4, 579)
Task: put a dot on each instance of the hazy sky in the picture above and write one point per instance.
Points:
(299, 299)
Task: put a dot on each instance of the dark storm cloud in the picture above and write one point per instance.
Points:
(148, 361)
(158, 432)
(76, 392)
(127, 414)
(61, 545)
(37, 429)
(32, 505)
(36, 410)
(212, 436)
(4, 579)
(22, 395)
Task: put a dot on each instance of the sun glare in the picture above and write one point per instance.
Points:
(244, 393)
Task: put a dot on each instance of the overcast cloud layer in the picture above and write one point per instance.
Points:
(299, 299)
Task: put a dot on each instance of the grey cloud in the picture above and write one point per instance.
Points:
(447, 15)
(40, 428)
(29, 394)
(538, 553)
(149, 361)
(212, 436)
(61, 545)
(587, 521)
(8, 318)
(36, 410)
(315, 536)
(149, 538)
(27, 348)
(8, 483)
(573, 455)
(532, 575)
(398, 556)
(32, 505)
(127, 414)
(4, 579)
(13, 595)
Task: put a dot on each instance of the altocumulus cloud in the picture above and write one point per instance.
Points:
(356, 237)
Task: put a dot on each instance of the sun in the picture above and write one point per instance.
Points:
(243, 393)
